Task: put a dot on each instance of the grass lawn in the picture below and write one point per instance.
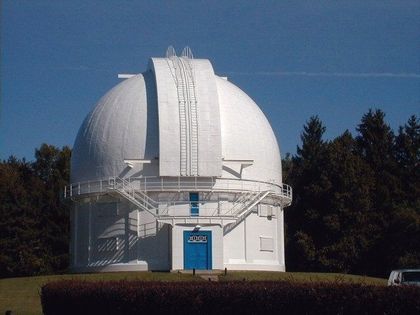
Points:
(300, 276)
(21, 295)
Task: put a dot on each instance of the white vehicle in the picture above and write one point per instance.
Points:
(404, 277)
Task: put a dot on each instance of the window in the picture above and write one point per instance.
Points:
(411, 276)
(194, 204)
(266, 211)
(266, 244)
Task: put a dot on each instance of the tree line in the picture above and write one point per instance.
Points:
(34, 224)
(356, 206)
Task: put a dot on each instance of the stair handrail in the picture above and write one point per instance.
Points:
(127, 190)
(241, 201)
(155, 183)
(253, 203)
(133, 190)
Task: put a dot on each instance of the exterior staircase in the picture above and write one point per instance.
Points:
(246, 208)
(244, 204)
(124, 188)
(250, 204)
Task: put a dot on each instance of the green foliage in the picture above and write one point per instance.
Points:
(34, 230)
(21, 295)
(356, 200)
(235, 297)
(300, 277)
(356, 206)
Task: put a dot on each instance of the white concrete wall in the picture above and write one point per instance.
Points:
(242, 245)
(137, 120)
(149, 245)
(178, 245)
(112, 232)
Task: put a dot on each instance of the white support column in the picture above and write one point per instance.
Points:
(138, 235)
(75, 231)
(90, 232)
(245, 243)
(280, 235)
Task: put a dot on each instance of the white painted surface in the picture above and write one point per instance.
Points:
(169, 128)
(247, 135)
(123, 125)
(170, 120)
(242, 245)
(125, 76)
(134, 132)
(178, 245)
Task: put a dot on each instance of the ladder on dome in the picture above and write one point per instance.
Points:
(182, 104)
(193, 119)
(182, 72)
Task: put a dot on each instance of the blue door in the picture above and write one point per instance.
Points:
(197, 250)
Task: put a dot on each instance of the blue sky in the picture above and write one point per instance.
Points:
(335, 59)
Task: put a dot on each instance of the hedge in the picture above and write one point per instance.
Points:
(137, 297)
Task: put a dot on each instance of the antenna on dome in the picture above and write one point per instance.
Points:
(187, 53)
(170, 52)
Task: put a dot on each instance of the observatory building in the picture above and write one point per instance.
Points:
(176, 168)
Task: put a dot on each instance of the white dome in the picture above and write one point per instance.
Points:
(125, 124)
(169, 155)
(247, 134)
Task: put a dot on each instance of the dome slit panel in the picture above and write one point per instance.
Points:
(151, 149)
(169, 118)
(209, 125)
(189, 119)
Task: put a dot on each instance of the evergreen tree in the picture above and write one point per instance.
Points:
(21, 249)
(356, 201)
(376, 147)
(408, 159)
(310, 186)
(345, 221)
(404, 231)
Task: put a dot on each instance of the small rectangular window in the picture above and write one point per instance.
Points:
(266, 244)
(266, 211)
(194, 209)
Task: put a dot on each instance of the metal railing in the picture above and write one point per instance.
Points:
(135, 191)
(124, 188)
(137, 197)
(180, 184)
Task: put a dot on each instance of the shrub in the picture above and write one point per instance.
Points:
(136, 297)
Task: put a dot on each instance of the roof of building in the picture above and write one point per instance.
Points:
(176, 119)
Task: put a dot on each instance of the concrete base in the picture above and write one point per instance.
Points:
(111, 268)
(255, 267)
(200, 272)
